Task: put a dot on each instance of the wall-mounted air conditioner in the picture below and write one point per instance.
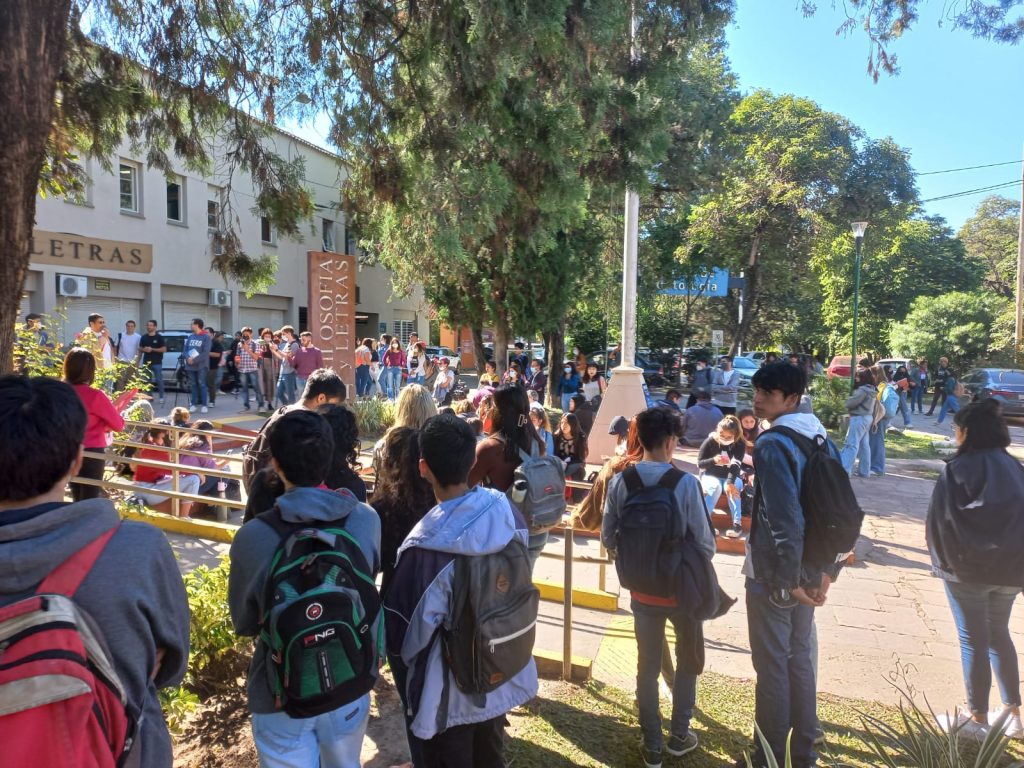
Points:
(72, 285)
(220, 298)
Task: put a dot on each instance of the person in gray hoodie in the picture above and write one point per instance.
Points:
(196, 353)
(861, 407)
(447, 727)
(134, 592)
(301, 447)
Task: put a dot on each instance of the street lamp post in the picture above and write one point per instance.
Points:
(858, 228)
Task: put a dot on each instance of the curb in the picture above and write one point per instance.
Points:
(549, 666)
(200, 529)
(581, 596)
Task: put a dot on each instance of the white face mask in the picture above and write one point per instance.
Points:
(568, 369)
(724, 441)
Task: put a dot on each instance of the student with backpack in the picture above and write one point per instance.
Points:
(303, 583)
(805, 520)
(648, 508)
(885, 411)
(461, 592)
(114, 597)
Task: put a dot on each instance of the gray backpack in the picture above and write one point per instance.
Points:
(538, 490)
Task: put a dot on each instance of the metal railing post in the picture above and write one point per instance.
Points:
(567, 607)
(602, 566)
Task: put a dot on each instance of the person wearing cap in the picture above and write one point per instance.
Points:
(620, 428)
(444, 382)
(700, 420)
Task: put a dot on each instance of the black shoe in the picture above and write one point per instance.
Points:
(681, 745)
(650, 758)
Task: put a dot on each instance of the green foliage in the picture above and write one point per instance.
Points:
(957, 325)
(374, 416)
(990, 237)
(828, 399)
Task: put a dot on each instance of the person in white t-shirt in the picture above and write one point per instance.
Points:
(128, 344)
(725, 383)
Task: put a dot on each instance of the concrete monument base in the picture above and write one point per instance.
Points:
(624, 396)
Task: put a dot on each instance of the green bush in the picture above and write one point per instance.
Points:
(828, 399)
(374, 416)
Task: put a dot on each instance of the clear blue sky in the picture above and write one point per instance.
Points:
(956, 101)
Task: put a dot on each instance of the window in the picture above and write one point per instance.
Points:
(176, 199)
(267, 231)
(403, 329)
(213, 198)
(128, 180)
(327, 228)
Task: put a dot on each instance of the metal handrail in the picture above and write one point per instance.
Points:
(240, 436)
(181, 451)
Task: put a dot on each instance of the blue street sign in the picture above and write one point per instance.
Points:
(715, 283)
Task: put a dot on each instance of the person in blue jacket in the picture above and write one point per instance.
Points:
(568, 384)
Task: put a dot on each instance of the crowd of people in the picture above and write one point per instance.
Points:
(462, 486)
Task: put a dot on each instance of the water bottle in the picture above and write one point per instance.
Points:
(518, 494)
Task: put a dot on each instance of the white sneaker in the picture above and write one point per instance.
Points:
(191, 409)
(1013, 728)
(161, 401)
(964, 723)
(204, 409)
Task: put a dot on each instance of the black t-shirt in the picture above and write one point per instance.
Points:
(156, 340)
(216, 349)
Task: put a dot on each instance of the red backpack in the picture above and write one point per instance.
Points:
(61, 702)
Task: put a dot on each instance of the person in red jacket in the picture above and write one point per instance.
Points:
(80, 372)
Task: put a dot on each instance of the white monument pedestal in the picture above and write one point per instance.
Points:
(624, 396)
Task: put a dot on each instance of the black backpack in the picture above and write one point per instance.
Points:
(832, 516)
(489, 637)
(648, 551)
(320, 607)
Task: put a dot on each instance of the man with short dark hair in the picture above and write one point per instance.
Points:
(34, 324)
(783, 590)
(446, 726)
(725, 384)
(939, 384)
(658, 430)
(133, 591)
(196, 351)
(306, 359)
(247, 359)
(96, 338)
(522, 358)
(584, 413)
(301, 448)
(153, 346)
(286, 385)
(672, 399)
(700, 419)
(322, 386)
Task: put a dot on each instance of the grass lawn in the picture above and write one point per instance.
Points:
(899, 445)
(596, 725)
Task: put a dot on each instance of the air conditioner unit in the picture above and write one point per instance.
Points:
(217, 243)
(220, 298)
(72, 285)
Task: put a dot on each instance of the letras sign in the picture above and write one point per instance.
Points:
(332, 311)
(69, 250)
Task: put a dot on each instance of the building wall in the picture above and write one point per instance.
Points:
(178, 285)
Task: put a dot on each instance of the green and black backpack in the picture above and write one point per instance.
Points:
(318, 623)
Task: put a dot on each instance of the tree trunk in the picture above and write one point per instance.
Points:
(554, 344)
(478, 348)
(501, 337)
(749, 296)
(33, 41)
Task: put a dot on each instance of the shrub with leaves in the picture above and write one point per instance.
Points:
(828, 398)
(375, 416)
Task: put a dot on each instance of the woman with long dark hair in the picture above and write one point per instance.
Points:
(571, 446)
(345, 461)
(401, 496)
(80, 373)
(975, 534)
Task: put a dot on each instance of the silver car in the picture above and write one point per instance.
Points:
(1003, 384)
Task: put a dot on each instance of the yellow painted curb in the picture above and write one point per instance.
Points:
(582, 597)
(201, 529)
(549, 666)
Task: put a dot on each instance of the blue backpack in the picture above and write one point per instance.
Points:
(890, 401)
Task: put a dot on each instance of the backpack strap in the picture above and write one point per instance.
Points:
(671, 477)
(632, 479)
(67, 577)
(806, 445)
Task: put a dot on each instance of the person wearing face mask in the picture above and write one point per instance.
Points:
(247, 360)
(394, 362)
(568, 384)
(701, 379)
(538, 380)
(444, 382)
(720, 461)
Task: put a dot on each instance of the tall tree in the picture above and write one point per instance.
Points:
(476, 144)
(990, 237)
(957, 325)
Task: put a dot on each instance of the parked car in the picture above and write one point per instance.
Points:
(1003, 384)
(746, 367)
(654, 374)
(454, 361)
(893, 362)
(757, 356)
(175, 344)
(840, 366)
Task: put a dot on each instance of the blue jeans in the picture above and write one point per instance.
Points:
(199, 394)
(331, 740)
(392, 381)
(649, 625)
(536, 546)
(784, 695)
(917, 399)
(156, 377)
(363, 380)
(876, 441)
(714, 487)
(213, 379)
(251, 379)
(566, 397)
(982, 616)
(950, 404)
(300, 386)
(286, 388)
(858, 437)
(904, 410)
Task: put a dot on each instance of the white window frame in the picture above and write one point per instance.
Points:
(215, 195)
(136, 193)
(265, 221)
(180, 182)
(403, 330)
(327, 228)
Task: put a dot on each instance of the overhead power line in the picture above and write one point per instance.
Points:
(976, 191)
(970, 168)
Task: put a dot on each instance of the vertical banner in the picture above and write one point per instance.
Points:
(332, 312)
